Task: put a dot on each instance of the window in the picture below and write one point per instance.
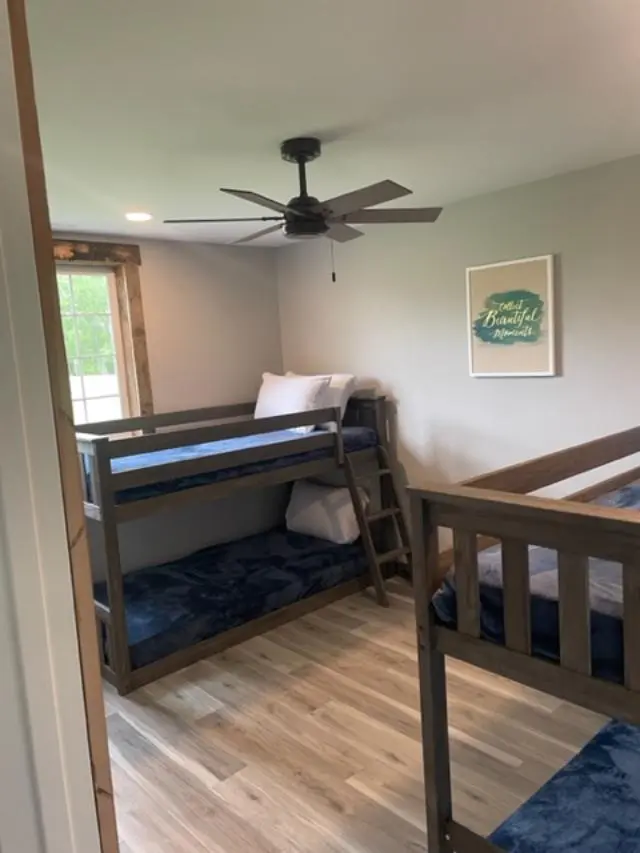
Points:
(104, 330)
(93, 343)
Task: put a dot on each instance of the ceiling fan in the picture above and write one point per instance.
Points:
(305, 216)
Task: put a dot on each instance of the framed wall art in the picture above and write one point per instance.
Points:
(510, 318)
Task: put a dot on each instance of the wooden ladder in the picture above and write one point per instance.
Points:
(390, 521)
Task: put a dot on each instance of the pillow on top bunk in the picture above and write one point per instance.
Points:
(337, 392)
(323, 512)
(285, 395)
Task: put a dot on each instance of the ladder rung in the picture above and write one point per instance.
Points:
(383, 513)
(379, 472)
(392, 555)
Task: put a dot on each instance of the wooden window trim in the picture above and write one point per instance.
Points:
(125, 261)
(88, 252)
(134, 338)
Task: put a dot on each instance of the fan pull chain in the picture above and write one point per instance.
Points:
(333, 262)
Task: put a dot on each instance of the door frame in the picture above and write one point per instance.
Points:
(59, 653)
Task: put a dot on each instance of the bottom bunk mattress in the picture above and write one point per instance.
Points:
(178, 604)
(605, 590)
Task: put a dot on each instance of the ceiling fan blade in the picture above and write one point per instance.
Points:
(342, 233)
(365, 197)
(390, 215)
(257, 234)
(256, 198)
(233, 219)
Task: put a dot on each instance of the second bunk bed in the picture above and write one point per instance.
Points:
(542, 591)
(158, 619)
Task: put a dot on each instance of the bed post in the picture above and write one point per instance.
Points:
(433, 685)
(118, 643)
(381, 420)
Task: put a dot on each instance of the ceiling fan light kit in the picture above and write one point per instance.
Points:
(305, 217)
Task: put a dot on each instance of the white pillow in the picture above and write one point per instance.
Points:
(324, 512)
(337, 393)
(285, 395)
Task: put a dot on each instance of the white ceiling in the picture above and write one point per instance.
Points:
(154, 104)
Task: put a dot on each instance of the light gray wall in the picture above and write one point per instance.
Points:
(212, 322)
(169, 535)
(397, 314)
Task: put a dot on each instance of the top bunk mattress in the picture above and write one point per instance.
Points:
(605, 591)
(355, 439)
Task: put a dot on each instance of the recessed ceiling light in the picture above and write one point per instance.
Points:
(138, 216)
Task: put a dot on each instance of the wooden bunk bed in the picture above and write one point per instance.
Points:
(555, 633)
(140, 466)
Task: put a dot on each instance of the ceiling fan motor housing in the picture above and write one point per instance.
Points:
(300, 228)
(302, 220)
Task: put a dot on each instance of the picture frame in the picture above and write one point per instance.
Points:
(511, 318)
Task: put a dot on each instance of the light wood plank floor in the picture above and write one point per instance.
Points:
(307, 739)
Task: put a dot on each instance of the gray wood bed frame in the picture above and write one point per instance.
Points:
(497, 506)
(99, 443)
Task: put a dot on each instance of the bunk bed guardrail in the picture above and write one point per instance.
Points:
(497, 507)
(112, 446)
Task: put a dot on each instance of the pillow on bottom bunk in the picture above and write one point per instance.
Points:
(323, 512)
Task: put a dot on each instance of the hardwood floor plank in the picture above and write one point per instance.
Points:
(471, 675)
(360, 668)
(360, 607)
(314, 784)
(379, 707)
(240, 682)
(404, 799)
(307, 738)
(400, 588)
(333, 618)
(267, 805)
(518, 711)
(177, 739)
(477, 801)
(585, 723)
(265, 652)
(200, 812)
(388, 746)
(142, 826)
(184, 698)
(508, 734)
(272, 740)
(357, 646)
(395, 639)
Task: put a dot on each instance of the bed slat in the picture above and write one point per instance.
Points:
(465, 551)
(631, 624)
(517, 600)
(575, 612)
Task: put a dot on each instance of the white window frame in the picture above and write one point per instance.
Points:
(121, 367)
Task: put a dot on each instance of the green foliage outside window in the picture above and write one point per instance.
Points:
(86, 324)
